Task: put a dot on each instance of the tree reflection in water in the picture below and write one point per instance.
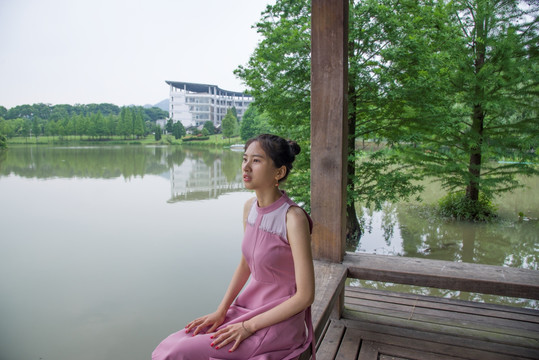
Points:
(413, 230)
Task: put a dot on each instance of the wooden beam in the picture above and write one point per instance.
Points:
(486, 279)
(329, 131)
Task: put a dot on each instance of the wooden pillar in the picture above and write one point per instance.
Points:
(329, 130)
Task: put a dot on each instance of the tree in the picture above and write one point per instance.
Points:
(125, 124)
(278, 73)
(229, 124)
(235, 113)
(210, 128)
(169, 126)
(178, 130)
(253, 123)
(98, 127)
(460, 87)
(26, 127)
(36, 127)
(157, 132)
(138, 124)
(3, 142)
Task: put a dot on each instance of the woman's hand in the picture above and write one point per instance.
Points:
(235, 332)
(213, 321)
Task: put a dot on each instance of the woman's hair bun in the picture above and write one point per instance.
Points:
(294, 147)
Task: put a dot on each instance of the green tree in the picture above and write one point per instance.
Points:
(26, 128)
(253, 123)
(157, 132)
(125, 124)
(229, 124)
(278, 73)
(36, 127)
(169, 127)
(154, 113)
(416, 84)
(210, 128)
(139, 124)
(83, 124)
(178, 130)
(99, 125)
(3, 141)
(460, 88)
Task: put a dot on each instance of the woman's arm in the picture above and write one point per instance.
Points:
(240, 277)
(300, 242)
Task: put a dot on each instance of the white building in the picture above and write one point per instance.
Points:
(194, 104)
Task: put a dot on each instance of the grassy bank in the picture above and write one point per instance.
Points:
(213, 140)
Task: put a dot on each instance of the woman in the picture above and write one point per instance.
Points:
(271, 318)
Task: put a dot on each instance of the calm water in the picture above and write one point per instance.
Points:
(106, 250)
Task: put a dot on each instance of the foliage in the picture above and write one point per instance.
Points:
(253, 123)
(450, 86)
(169, 125)
(278, 74)
(456, 89)
(229, 125)
(66, 121)
(178, 130)
(158, 132)
(461, 207)
(3, 142)
(209, 127)
(195, 138)
(383, 178)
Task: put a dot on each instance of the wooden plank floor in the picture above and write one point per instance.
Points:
(386, 325)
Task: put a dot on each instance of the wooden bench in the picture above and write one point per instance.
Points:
(358, 323)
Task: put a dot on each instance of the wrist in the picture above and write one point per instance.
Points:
(248, 327)
(221, 310)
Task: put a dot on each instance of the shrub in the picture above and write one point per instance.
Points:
(460, 207)
(195, 138)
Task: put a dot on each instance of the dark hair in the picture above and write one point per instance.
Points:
(281, 151)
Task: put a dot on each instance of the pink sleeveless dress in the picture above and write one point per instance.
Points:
(266, 249)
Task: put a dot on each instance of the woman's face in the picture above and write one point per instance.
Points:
(258, 169)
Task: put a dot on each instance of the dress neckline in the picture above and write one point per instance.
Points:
(275, 205)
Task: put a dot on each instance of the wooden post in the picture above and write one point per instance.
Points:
(329, 130)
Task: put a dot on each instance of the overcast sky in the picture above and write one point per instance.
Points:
(120, 51)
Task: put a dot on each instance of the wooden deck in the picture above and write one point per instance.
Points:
(375, 324)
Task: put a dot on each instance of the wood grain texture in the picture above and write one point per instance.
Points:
(329, 111)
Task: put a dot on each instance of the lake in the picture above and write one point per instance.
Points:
(105, 250)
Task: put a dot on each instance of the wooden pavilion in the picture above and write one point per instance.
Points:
(358, 323)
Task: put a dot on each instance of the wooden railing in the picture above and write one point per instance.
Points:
(486, 279)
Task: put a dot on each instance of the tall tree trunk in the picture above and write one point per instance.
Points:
(478, 114)
(474, 167)
(353, 230)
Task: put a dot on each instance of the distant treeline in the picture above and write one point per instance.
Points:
(94, 120)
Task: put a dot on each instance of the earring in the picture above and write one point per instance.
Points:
(276, 183)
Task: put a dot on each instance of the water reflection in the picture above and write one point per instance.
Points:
(194, 174)
(98, 257)
(202, 178)
(409, 229)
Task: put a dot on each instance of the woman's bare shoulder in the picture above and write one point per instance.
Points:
(296, 216)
